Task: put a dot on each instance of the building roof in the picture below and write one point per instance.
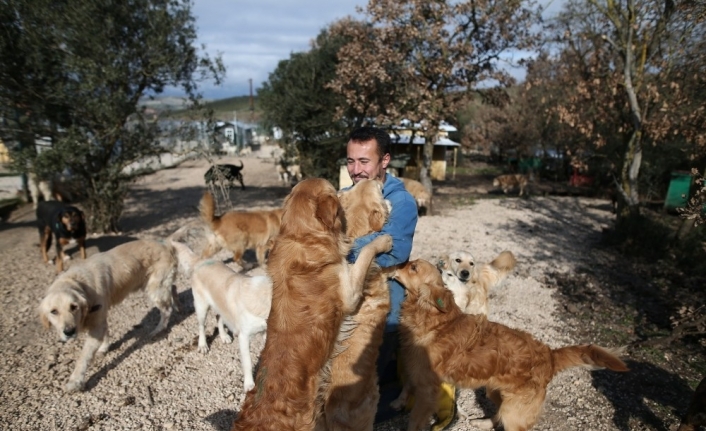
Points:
(419, 140)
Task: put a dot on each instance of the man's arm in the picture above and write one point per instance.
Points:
(400, 226)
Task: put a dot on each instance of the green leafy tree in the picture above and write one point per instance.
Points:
(74, 72)
(296, 99)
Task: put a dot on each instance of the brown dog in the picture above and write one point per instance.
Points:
(696, 415)
(65, 223)
(511, 181)
(79, 299)
(314, 289)
(441, 344)
(353, 394)
(239, 230)
(420, 194)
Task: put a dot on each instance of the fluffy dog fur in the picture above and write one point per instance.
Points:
(696, 414)
(65, 223)
(353, 394)
(511, 181)
(313, 290)
(241, 302)
(440, 343)
(420, 194)
(470, 283)
(239, 230)
(226, 172)
(79, 299)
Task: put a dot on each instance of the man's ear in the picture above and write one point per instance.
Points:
(386, 160)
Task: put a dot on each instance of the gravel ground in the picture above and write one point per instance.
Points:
(166, 383)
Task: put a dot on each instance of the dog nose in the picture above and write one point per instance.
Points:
(465, 274)
(69, 332)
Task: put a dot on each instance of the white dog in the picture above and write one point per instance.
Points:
(80, 298)
(470, 283)
(241, 302)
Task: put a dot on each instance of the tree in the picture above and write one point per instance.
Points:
(622, 60)
(416, 59)
(74, 72)
(296, 99)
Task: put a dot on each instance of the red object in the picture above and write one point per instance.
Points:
(579, 180)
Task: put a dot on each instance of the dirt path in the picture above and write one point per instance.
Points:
(167, 384)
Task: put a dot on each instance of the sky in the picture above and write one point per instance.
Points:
(253, 36)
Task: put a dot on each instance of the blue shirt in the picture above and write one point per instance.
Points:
(400, 226)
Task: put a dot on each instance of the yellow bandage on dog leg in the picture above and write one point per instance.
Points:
(445, 407)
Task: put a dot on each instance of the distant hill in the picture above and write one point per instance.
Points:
(226, 109)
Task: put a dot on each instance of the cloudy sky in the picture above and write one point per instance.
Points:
(252, 36)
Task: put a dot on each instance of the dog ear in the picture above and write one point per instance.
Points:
(43, 318)
(376, 220)
(443, 262)
(327, 210)
(431, 297)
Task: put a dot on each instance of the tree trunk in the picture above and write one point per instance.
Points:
(427, 155)
(629, 204)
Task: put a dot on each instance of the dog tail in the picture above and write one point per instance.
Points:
(241, 163)
(492, 274)
(186, 257)
(207, 208)
(504, 263)
(589, 356)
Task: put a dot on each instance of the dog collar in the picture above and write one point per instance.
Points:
(206, 262)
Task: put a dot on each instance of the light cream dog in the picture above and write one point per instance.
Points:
(470, 283)
(79, 299)
(241, 302)
(420, 194)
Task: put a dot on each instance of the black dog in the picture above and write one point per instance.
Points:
(230, 173)
(65, 223)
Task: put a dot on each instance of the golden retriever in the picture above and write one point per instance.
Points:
(241, 302)
(511, 181)
(470, 283)
(442, 344)
(239, 230)
(314, 289)
(353, 394)
(79, 299)
(420, 194)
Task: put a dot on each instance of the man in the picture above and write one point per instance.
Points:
(368, 154)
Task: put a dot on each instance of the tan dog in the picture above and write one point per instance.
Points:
(470, 283)
(511, 181)
(239, 230)
(420, 194)
(441, 344)
(79, 299)
(353, 394)
(313, 290)
(241, 302)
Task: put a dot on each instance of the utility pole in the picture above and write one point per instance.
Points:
(252, 105)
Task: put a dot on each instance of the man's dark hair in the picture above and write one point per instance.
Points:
(364, 134)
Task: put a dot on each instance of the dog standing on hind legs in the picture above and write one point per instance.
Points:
(442, 344)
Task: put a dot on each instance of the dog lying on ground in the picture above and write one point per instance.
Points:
(441, 344)
(227, 173)
(353, 394)
(696, 414)
(511, 181)
(66, 224)
(420, 194)
(314, 289)
(241, 302)
(79, 299)
(239, 230)
(470, 283)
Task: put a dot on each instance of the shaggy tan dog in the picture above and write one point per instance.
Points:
(314, 289)
(441, 344)
(511, 181)
(241, 302)
(470, 283)
(79, 299)
(353, 394)
(420, 194)
(239, 230)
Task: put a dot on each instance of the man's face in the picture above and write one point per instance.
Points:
(364, 162)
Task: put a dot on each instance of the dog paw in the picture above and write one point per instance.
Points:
(73, 386)
(226, 339)
(203, 348)
(66, 257)
(383, 243)
(247, 386)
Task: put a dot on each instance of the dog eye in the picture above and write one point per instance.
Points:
(458, 260)
(54, 311)
(73, 307)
